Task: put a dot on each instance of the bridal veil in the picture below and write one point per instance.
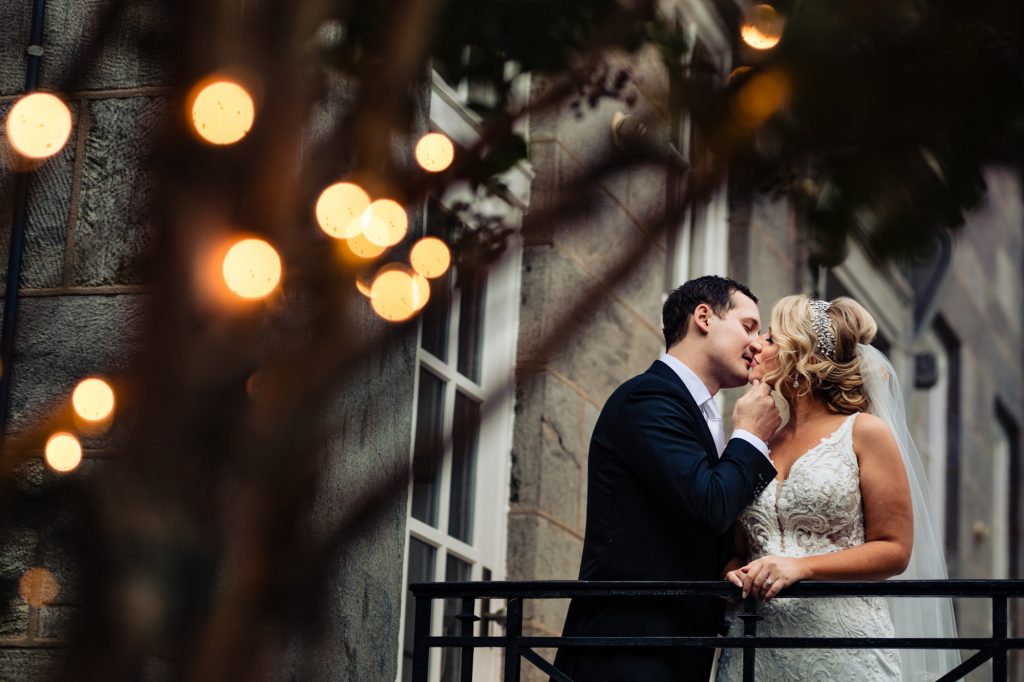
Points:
(913, 616)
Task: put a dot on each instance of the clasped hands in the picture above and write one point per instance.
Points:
(763, 578)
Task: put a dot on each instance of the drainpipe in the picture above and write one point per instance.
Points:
(17, 243)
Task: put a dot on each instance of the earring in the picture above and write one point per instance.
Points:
(796, 382)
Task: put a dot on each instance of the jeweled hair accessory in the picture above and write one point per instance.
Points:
(823, 329)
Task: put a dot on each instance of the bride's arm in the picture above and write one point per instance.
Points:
(888, 523)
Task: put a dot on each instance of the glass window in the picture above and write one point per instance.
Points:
(456, 570)
(436, 316)
(427, 450)
(421, 570)
(471, 320)
(458, 495)
(465, 432)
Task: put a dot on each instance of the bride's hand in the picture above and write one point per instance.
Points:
(736, 578)
(765, 577)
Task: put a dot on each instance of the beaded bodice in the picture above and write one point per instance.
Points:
(816, 509)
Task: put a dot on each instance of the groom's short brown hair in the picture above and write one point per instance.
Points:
(681, 302)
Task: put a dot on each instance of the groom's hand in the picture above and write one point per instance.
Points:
(756, 412)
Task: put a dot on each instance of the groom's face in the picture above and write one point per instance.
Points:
(735, 341)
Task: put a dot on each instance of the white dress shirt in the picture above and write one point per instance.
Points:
(701, 395)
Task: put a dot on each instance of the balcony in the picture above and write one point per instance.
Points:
(518, 648)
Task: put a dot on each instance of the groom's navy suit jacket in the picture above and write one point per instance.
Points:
(659, 503)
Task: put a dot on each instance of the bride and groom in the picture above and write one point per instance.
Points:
(835, 494)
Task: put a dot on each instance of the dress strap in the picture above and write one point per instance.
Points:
(845, 432)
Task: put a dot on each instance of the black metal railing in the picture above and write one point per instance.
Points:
(517, 647)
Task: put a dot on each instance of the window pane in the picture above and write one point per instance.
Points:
(471, 321)
(465, 434)
(456, 570)
(426, 460)
(437, 314)
(421, 570)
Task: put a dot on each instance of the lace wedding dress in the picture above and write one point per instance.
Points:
(816, 510)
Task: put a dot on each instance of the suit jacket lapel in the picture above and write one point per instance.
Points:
(703, 432)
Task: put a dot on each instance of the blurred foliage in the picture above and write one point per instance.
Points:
(896, 108)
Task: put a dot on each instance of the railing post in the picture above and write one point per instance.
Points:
(750, 618)
(999, 635)
(468, 618)
(421, 629)
(513, 631)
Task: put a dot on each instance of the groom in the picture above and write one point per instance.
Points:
(664, 486)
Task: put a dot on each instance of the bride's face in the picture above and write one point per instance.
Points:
(765, 361)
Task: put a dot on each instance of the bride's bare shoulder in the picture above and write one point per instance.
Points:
(871, 435)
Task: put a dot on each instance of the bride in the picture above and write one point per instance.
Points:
(848, 504)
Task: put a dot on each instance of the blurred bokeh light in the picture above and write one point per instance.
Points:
(435, 152)
(222, 112)
(252, 268)
(430, 257)
(38, 587)
(361, 248)
(762, 27)
(385, 222)
(93, 399)
(39, 125)
(761, 97)
(63, 452)
(339, 209)
(396, 295)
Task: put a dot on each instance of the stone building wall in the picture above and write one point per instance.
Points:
(83, 300)
(83, 308)
(982, 305)
(559, 395)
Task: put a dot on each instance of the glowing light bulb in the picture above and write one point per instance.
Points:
(435, 152)
(38, 587)
(222, 112)
(761, 97)
(339, 209)
(362, 248)
(364, 282)
(63, 452)
(93, 399)
(39, 125)
(385, 222)
(396, 296)
(430, 257)
(252, 268)
(762, 27)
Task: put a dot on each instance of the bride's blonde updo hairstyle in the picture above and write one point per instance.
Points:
(817, 344)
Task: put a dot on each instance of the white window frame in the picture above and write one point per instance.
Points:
(1000, 538)
(498, 352)
(700, 246)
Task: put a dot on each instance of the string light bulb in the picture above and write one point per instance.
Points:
(38, 587)
(435, 152)
(339, 209)
(39, 125)
(762, 27)
(222, 111)
(385, 222)
(395, 294)
(430, 257)
(63, 452)
(362, 249)
(252, 268)
(93, 399)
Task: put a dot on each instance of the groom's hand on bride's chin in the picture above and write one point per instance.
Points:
(756, 412)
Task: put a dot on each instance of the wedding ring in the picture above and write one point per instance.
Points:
(768, 582)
